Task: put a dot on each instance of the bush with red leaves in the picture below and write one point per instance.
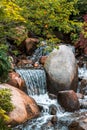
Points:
(82, 42)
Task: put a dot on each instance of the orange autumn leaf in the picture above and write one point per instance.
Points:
(46, 26)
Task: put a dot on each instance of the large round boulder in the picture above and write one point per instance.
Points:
(25, 107)
(61, 69)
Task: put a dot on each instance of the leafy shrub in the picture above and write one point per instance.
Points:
(10, 16)
(82, 42)
(5, 98)
(4, 66)
(82, 6)
(40, 17)
(5, 107)
(44, 17)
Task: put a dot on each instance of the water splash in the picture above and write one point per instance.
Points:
(39, 52)
(35, 80)
(47, 102)
(36, 87)
(82, 72)
(40, 123)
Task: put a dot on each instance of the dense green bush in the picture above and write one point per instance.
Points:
(42, 18)
(46, 16)
(10, 17)
(5, 107)
(4, 66)
(82, 6)
(5, 98)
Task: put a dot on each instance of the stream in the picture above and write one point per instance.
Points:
(36, 88)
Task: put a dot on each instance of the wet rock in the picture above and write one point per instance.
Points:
(23, 63)
(85, 90)
(16, 81)
(25, 107)
(80, 96)
(39, 52)
(83, 83)
(54, 120)
(53, 110)
(47, 126)
(61, 68)
(28, 66)
(75, 126)
(83, 124)
(40, 107)
(85, 120)
(83, 86)
(30, 44)
(80, 63)
(36, 64)
(43, 59)
(68, 100)
(52, 96)
(86, 64)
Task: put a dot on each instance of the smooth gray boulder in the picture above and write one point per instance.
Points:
(61, 69)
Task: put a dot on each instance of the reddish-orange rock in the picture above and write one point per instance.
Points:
(68, 100)
(16, 81)
(30, 43)
(25, 107)
(24, 62)
(43, 59)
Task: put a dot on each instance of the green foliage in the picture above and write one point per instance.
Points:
(5, 107)
(4, 66)
(44, 17)
(10, 11)
(3, 114)
(18, 34)
(3, 126)
(5, 98)
(82, 6)
(4, 47)
(10, 16)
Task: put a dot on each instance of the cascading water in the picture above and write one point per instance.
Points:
(82, 72)
(36, 87)
(35, 80)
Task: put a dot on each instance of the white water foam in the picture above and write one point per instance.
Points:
(82, 72)
(46, 102)
(43, 100)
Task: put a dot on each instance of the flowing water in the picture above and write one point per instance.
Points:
(82, 72)
(36, 87)
(35, 80)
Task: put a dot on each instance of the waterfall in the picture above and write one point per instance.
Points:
(35, 80)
